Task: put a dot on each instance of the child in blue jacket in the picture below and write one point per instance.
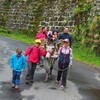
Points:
(17, 64)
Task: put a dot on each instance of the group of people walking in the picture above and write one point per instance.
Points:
(49, 46)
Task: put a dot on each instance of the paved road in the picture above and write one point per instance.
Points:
(84, 84)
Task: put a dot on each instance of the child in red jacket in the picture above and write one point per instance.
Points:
(32, 60)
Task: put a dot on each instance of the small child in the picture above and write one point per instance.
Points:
(32, 60)
(17, 63)
(55, 35)
(65, 53)
(49, 35)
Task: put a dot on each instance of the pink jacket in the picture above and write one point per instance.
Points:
(40, 35)
(33, 54)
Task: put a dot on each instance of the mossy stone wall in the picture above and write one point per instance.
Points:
(28, 15)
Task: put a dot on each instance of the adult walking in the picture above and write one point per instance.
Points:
(41, 34)
(66, 35)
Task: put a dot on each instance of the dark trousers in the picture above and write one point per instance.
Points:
(16, 77)
(63, 73)
(31, 69)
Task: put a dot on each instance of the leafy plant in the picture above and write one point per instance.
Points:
(87, 26)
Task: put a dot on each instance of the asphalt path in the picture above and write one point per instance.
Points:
(83, 85)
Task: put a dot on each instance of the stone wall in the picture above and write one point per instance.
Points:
(21, 15)
(59, 15)
(28, 16)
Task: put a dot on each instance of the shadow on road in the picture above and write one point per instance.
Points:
(9, 93)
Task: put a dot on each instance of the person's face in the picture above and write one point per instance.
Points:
(66, 30)
(43, 30)
(37, 44)
(66, 44)
(46, 30)
(55, 33)
(18, 54)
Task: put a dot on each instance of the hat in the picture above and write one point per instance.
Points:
(49, 32)
(55, 31)
(38, 41)
(66, 40)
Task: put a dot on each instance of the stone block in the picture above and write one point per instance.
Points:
(47, 19)
(43, 23)
(51, 23)
(55, 23)
(61, 29)
(61, 18)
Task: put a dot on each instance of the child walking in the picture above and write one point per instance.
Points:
(65, 53)
(32, 60)
(17, 64)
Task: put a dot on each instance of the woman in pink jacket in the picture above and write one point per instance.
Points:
(42, 33)
(32, 60)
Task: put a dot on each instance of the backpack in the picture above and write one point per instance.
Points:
(32, 50)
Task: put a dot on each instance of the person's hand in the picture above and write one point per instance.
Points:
(23, 70)
(42, 46)
(70, 65)
(12, 69)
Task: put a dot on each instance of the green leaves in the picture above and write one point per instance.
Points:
(77, 10)
(86, 7)
(86, 30)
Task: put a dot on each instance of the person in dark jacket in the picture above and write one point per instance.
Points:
(66, 35)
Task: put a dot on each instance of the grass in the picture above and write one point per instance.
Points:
(19, 36)
(81, 54)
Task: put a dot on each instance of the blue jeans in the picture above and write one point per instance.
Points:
(16, 77)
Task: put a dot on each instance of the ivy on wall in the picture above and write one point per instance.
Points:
(86, 28)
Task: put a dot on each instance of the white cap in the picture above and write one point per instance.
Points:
(66, 40)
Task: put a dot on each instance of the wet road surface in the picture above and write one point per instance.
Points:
(83, 85)
(87, 80)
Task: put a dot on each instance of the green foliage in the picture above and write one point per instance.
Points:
(84, 54)
(86, 7)
(18, 35)
(35, 7)
(77, 10)
(7, 3)
(87, 26)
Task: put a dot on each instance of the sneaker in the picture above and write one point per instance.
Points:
(13, 85)
(31, 81)
(62, 87)
(16, 87)
(57, 82)
(27, 82)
